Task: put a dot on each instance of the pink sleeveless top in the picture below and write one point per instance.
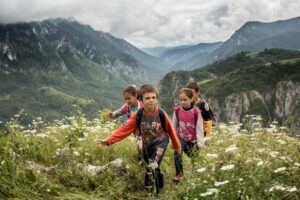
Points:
(186, 128)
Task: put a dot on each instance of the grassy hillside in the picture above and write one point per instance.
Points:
(244, 72)
(45, 162)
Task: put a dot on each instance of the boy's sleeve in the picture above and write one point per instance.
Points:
(199, 130)
(172, 133)
(119, 112)
(124, 131)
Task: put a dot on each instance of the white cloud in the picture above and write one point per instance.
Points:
(147, 23)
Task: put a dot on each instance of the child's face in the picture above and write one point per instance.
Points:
(149, 100)
(130, 99)
(185, 101)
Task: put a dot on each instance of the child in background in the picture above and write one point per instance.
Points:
(188, 122)
(155, 129)
(206, 112)
(132, 104)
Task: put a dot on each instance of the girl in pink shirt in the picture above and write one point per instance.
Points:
(132, 104)
(188, 123)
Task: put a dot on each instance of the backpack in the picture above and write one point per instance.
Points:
(209, 112)
(176, 109)
(161, 115)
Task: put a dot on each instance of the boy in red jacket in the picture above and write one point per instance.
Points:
(155, 133)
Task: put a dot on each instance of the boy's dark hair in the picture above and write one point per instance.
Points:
(145, 89)
(131, 89)
(193, 85)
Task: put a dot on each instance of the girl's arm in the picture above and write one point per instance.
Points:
(119, 112)
(172, 134)
(175, 121)
(123, 131)
(199, 131)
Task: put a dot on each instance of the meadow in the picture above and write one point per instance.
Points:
(60, 160)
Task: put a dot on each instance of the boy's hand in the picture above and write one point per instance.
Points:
(102, 142)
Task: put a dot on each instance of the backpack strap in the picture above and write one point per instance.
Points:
(196, 115)
(139, 114)
(162, 118)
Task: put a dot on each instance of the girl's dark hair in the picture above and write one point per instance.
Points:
(187, 91)
(131, 89)
(193, 85)
(145, 89)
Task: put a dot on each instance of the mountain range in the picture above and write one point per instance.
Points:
(252, 36)
(46, 67)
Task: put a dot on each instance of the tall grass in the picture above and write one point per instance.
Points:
(44, 162)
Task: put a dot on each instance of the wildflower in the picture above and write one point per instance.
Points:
(281, 188)
(220, 183)
(41, 135)
(277, 187)
(200, 170)
(297, 164)
(1, 122)
(33, 131)
(281, 142)
(85, 134)
(81, 139)
(209, 192)
(76, 153)
(286, 159)
(227, 167)
(231, 148)
(260, 163)
(153, 165)
(212, 155)
(260, 150)
(291, 189)
(274, 153)
(3, 162)
(64, 126)
(281, 169)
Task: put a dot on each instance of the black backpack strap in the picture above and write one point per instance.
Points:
(196, 115)
(139, 114)
(162, 118)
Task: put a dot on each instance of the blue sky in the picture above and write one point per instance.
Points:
(151, 23)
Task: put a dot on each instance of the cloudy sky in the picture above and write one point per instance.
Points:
(150, 23)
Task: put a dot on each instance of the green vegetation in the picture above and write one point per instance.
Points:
(50, 91)
(46, 162)
(242, 73)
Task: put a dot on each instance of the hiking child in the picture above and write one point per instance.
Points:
(206, 112)
(188, 122)
(132, 104)
(155, 129)
(130, 94)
